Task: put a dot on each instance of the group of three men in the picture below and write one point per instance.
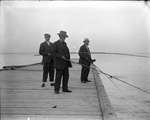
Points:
(57, 56)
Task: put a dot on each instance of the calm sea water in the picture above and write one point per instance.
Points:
(18, 59)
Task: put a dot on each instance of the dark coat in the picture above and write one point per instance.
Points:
(85, 55)
(44, 50)
(61, 49)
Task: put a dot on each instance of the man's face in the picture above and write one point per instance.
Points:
(62, 37)
(86, 42)
(47, 38)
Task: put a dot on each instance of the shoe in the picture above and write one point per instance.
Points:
(56, 92)
(52, 84)
(88, 81)
(83, 81)
(67, 91)
(43, 85)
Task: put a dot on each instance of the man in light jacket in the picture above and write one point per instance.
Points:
(46, 50)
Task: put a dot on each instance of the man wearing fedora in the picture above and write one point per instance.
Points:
(46, 50)
(61, 63)
(85, 60)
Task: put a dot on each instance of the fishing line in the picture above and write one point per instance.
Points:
(115, 85)
(110, 53)
(127, 83)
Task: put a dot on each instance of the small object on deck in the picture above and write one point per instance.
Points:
(55, 106)
(9, 67)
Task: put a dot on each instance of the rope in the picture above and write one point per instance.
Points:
(15, 67)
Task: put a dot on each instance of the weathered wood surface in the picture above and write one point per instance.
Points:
(22, 96)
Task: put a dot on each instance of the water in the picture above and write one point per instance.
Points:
(18, 59)
(128, 102)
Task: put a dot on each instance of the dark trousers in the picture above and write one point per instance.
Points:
(64, 76)
(48, 68)
(84, 73)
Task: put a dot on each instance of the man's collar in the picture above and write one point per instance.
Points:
(48, 42)
(85, 45)
(61, 40)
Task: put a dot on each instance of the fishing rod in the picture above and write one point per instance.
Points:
(109, 53)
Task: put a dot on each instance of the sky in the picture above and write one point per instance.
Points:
(112, 26)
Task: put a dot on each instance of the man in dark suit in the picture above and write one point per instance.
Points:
(85, 60)
(46, 50)
(62, 63)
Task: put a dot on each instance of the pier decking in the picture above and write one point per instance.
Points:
(22, 97)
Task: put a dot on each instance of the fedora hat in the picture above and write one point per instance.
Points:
(86, 40)
(63, 33)
(47, 35)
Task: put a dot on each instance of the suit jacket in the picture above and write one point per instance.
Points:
(61, 49)
(85, 55)
(44, 50)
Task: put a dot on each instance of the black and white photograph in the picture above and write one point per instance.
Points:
(74, 60)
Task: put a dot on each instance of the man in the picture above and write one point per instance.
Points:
(85, 60)
(46, 50)
(62, 63)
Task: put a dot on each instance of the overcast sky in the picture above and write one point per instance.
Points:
(110, 26)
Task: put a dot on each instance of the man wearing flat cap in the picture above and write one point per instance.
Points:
(85, 60)
(46, 50)
(61, 63)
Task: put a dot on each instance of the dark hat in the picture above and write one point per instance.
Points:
(47, 35)
(86, 40)
(63, 33)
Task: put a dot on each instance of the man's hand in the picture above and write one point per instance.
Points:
(93, 60)
(63, 57)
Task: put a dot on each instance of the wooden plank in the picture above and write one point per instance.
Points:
(22, 95)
